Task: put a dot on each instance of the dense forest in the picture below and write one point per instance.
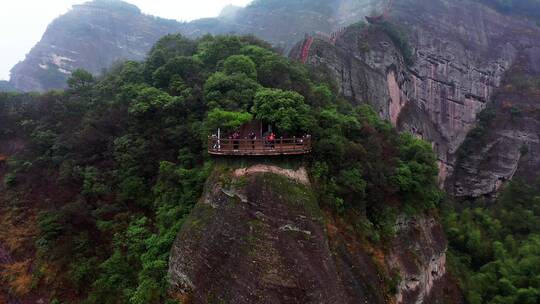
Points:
(495, 247)
(100, 177)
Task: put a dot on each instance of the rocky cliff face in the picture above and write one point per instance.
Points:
(98, 33)
(507, 142)
(284, 23)
(91, 36)
(258, 236)
(462, 53)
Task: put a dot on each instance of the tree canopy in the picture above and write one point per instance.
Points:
(113, 165)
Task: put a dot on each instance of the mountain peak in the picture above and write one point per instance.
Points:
(115, 5)
(92, 36)
(229, 11)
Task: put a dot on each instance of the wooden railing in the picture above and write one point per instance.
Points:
(259, 147)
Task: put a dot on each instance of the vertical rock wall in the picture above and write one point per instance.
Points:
(258, 236)
(463, 50)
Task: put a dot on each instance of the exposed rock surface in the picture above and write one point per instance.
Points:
(260, 237)
(509, 146)
(270, 248)
(462, 51)
(96, 34)
(300, 175)
(419, 252)
(92, 36)
(284, 23)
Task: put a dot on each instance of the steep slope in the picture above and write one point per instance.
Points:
(284, 23)
(506, 142)
(100, 179)
(96, 34)
(91, 36)
(259, 237)
(456, 72)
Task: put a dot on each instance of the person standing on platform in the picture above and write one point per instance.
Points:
(253, 138)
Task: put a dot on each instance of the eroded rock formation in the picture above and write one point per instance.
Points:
(463, 51)
(91, 36)
(98, 33)
(259, 236)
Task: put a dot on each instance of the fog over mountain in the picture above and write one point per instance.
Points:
(289, 151)
(96, 34)
(28, 20)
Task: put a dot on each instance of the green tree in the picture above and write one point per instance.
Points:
(227, 121)
(285, 109)
(212, 50)
(230, 92)
(80, 80)
(240, 64)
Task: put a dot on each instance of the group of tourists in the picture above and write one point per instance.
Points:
(238, 142)
(269, 140)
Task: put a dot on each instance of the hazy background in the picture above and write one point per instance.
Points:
(23, 22)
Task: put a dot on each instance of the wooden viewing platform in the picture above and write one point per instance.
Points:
(259, 147)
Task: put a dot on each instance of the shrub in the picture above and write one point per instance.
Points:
(399, 38)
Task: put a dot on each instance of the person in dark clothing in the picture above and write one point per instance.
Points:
(236, 142)
(253, 138)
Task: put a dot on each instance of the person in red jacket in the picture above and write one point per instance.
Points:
(272, 140)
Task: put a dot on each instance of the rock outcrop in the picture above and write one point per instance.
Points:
(259, 236)
(419, 253)
(259, 239)
(91, 36)
(463, 51)
(96, 34)
(505, 146)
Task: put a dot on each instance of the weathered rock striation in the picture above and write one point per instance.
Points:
(463, 51)
(259, 236)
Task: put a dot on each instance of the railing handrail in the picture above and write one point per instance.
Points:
(259, 146)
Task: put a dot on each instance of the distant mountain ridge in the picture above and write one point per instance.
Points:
(92, 36)
(5, 86)
(96, 34)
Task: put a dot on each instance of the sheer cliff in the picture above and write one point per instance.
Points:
(462, 53)
(258, 235)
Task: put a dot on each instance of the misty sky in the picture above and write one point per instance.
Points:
(23, 22)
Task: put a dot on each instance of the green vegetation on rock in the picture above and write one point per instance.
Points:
(399, 38)
(495, 248)
(113, 166)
